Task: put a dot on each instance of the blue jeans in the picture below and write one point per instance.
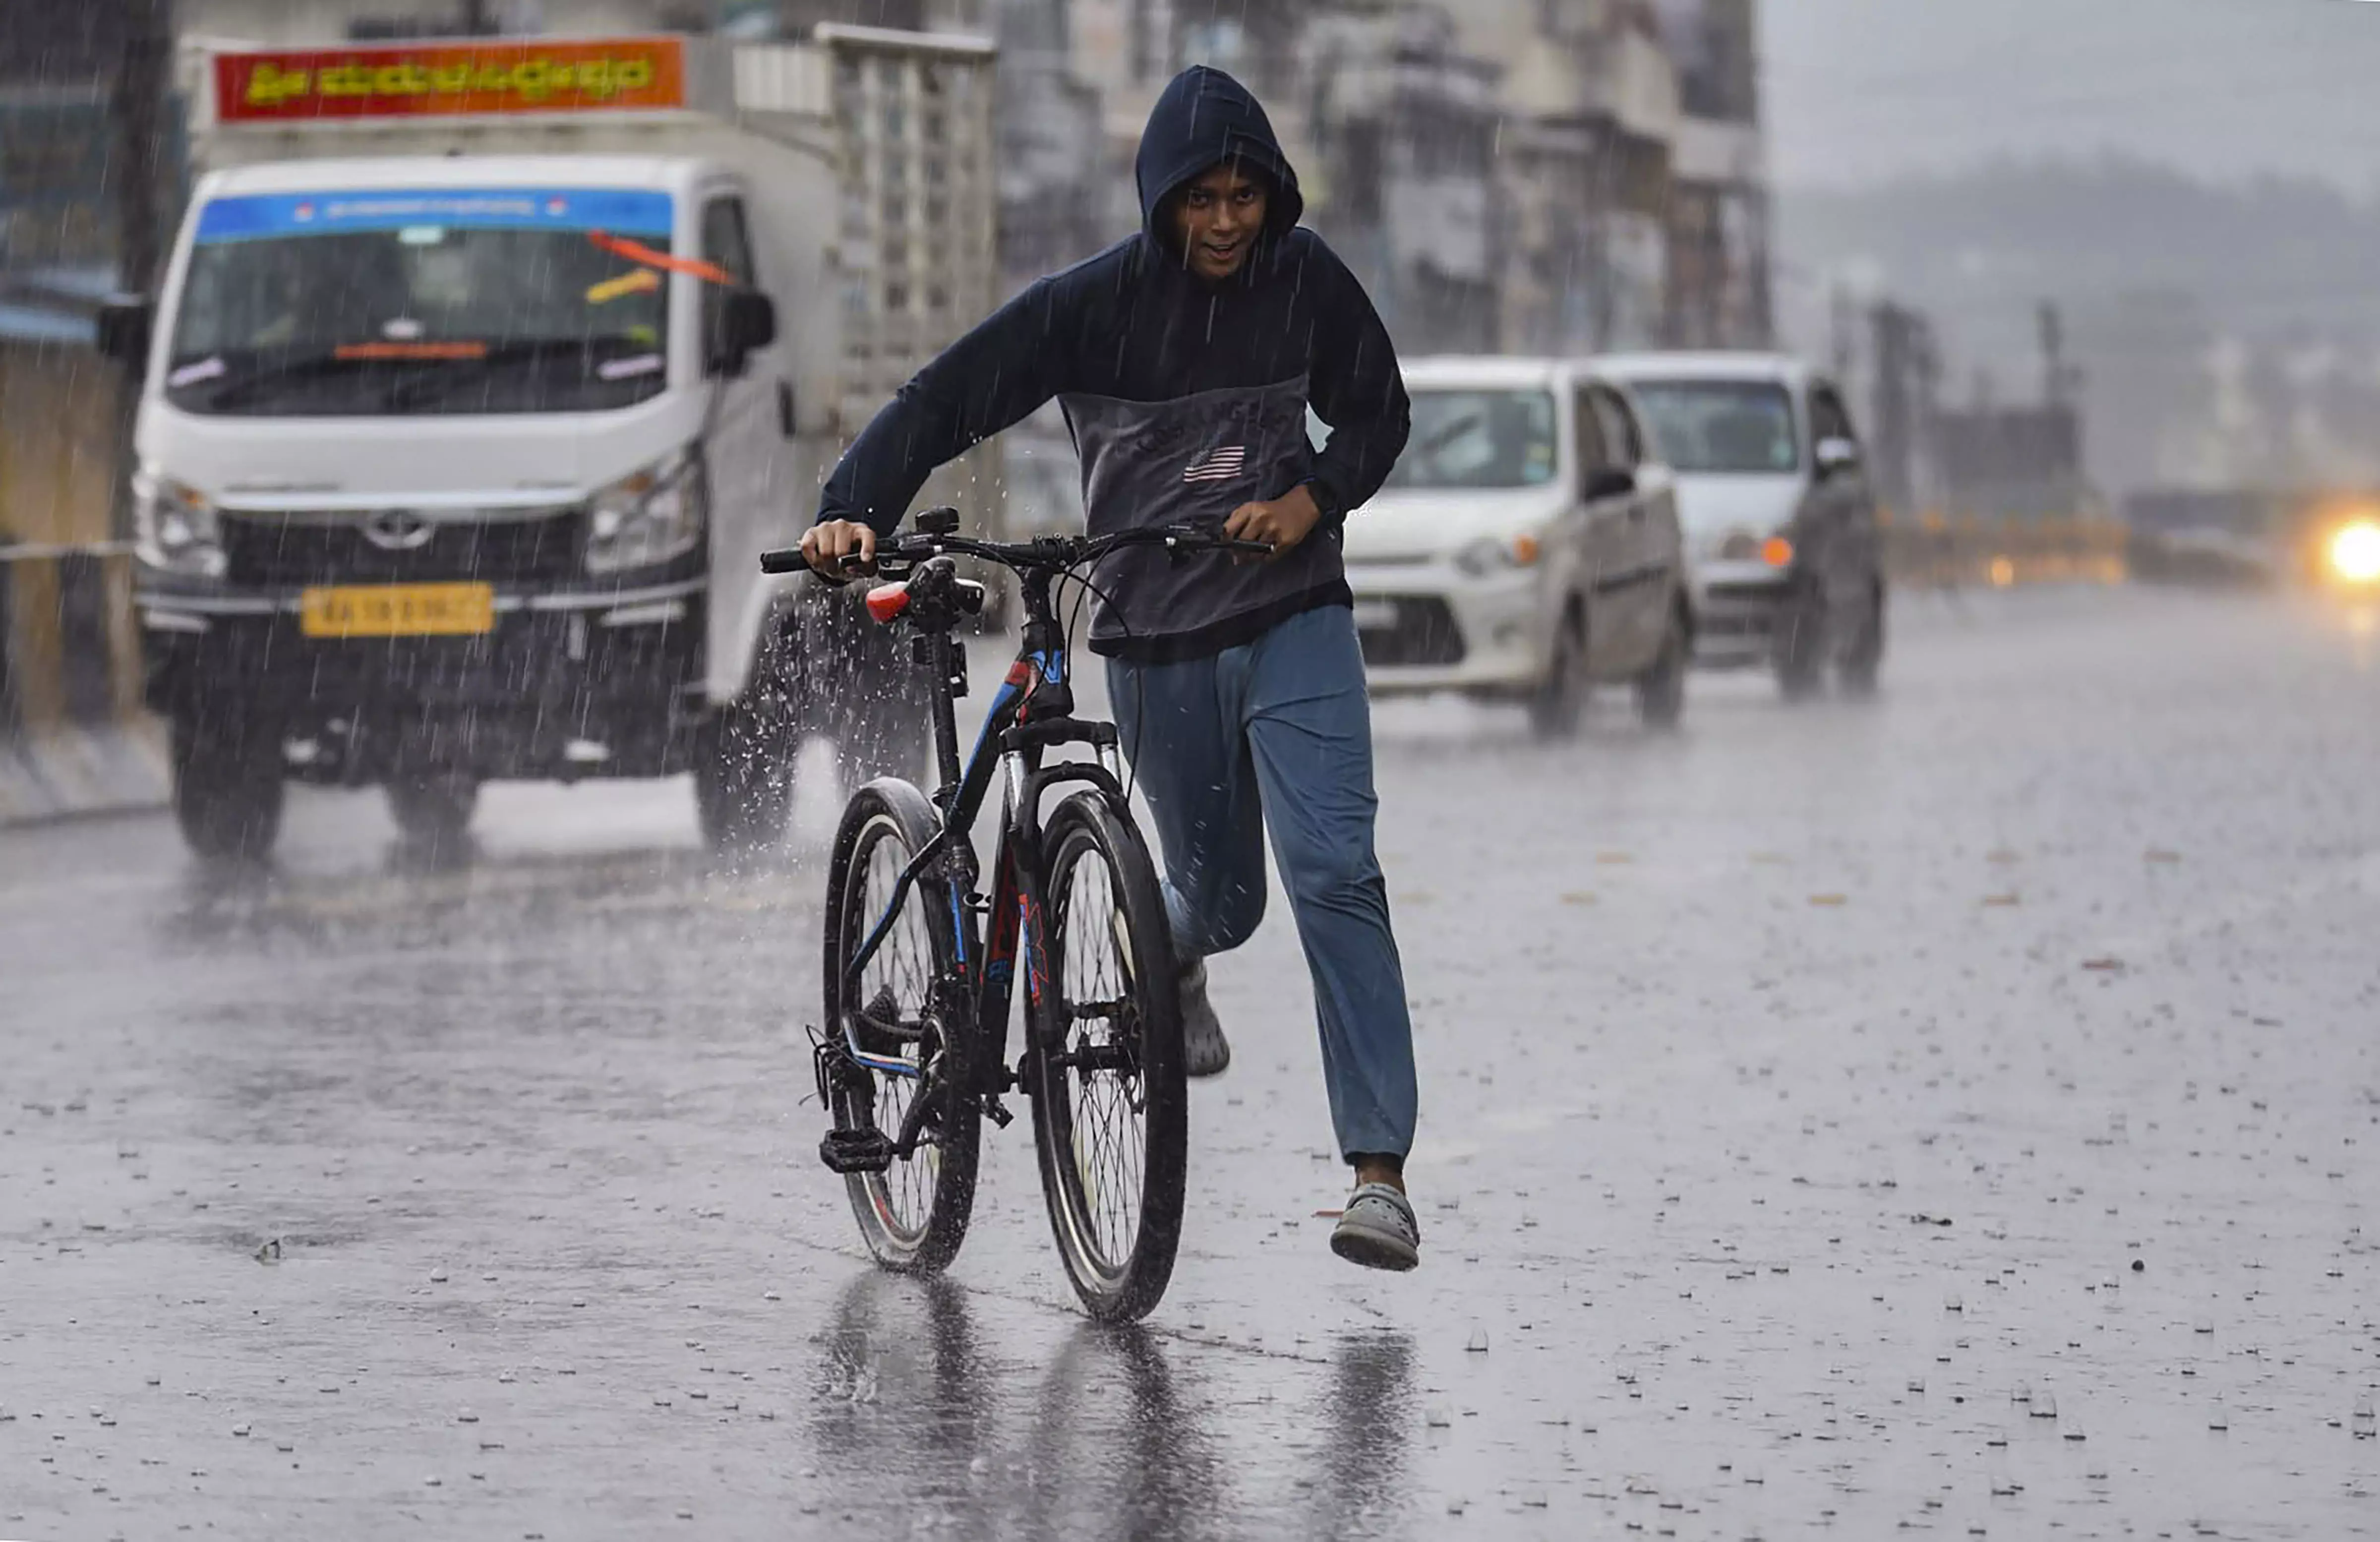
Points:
(1275, 735)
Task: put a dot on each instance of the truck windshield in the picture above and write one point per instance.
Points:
(1740, 426)
(1478, 438)
(468, 301)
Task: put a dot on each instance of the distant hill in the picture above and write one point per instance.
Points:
(2226, 333)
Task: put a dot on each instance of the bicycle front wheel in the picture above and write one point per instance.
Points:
(1110, 1109)
(914, 1214)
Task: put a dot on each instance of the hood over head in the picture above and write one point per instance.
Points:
(1203, 119)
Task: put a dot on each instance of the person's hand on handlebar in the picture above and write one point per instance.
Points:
(1281, 523)
(839, 547)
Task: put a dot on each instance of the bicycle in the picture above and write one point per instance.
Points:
(920, 965)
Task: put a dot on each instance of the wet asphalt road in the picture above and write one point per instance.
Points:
(1957, 1112)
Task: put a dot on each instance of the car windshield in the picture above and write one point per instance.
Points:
(1478, 438)
(1745, 427)
(407, 302)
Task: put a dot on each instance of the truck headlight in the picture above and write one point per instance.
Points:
(1489, 556)
(174, 526)
(649, 516)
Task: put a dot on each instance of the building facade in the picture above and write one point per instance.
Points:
(1562, 175)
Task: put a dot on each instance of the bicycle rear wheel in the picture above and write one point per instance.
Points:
(913, 1215)
(1110, 1109)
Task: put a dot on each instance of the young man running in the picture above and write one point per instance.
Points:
(1185, 359)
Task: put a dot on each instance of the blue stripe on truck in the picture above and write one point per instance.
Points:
(617, 209)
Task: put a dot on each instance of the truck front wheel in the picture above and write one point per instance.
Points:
(743, 781)
(227, 786)
(434, 813)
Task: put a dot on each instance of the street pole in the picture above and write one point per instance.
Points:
(137, 113)
(1895, 327)
(144, 79)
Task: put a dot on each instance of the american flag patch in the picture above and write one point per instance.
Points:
(1218, 465)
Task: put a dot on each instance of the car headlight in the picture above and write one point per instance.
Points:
(174, 526)
(1492, 555)
(1775, 550)
(649, 516)
(2355, 551)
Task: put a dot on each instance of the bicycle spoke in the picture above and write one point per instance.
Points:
(900, 975)
(1106, 1103)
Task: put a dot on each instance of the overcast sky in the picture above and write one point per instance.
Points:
(1859, 90)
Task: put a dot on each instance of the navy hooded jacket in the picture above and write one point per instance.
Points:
(1186, 398)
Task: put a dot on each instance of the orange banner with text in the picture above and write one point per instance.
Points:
(527, 76)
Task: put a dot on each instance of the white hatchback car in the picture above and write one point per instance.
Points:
(1526, 548)
(1779, 514)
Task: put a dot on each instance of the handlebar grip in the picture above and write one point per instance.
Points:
(789, 560)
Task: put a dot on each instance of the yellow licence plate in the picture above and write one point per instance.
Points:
(398, 611)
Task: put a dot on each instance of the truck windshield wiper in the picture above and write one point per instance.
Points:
(431, 382)
(250, 376)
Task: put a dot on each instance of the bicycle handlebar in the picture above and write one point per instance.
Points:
(1048, 554)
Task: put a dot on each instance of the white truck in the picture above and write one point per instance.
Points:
(481, 374)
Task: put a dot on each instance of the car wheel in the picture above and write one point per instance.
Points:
(1802, 651)
(1865, 658)
(1661, 690)
(1561, 697)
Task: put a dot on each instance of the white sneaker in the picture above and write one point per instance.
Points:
(1378, 1230)
(1205, 1052)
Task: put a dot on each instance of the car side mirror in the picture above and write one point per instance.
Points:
(1608, 482)
(125, 323)
(747, 321)
(1836, 456)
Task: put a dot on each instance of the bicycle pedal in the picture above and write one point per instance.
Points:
(998, 1113)
(849, 1151)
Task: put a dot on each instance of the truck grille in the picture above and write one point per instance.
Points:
(266, 549)
(1423, 633)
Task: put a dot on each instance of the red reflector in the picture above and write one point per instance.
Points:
(886, 602)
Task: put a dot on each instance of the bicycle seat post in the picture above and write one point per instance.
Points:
(934, 610)
(943, 656)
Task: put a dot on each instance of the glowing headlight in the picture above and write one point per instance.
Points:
(2355, 551)
(647, 518)
(1492, 555)
(174, 526)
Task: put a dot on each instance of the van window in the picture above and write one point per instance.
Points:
(1622, 445)
(1588, 430)
(1478, 438)
(726, 244)
(422, 301)
(1743, 427)
(1828, 419)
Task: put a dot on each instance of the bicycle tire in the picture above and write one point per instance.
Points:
(914, 1215)
(1120, 1270)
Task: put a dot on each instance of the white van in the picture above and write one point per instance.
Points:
(1780, 517)
(467, 410)
(1526, 548)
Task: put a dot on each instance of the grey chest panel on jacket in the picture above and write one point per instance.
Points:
(1192, 460)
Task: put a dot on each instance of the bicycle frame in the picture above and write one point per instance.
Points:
(1032, 712)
